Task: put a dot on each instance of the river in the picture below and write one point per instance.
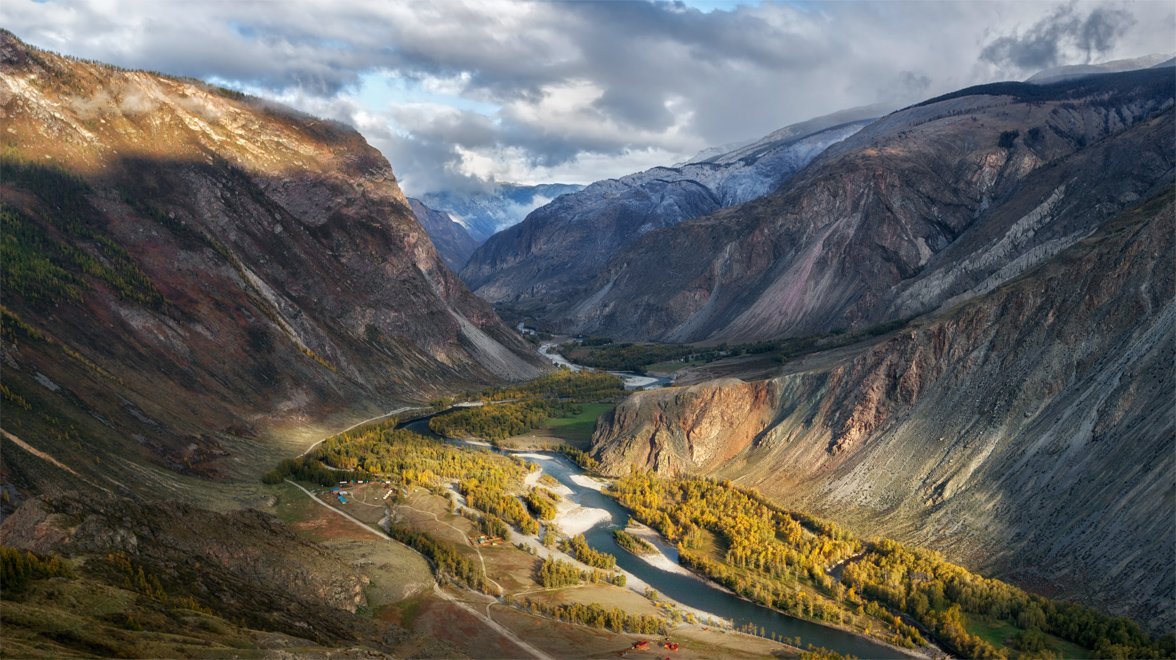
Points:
(687, 589)
(632, 380)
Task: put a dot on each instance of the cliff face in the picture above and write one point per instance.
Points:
(541, 264)
(1027, 432)
(184, 265)
(926, 207)
(685, 430)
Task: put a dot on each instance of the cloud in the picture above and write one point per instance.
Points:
(461, 93)
(1050, 41)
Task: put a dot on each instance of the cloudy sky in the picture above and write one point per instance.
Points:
(460, 93)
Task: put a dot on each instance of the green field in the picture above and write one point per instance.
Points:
(578, 428)
(998, 633)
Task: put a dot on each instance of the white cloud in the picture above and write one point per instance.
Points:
(533, 91)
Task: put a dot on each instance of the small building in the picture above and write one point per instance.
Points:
(342, 500)
(641, 645)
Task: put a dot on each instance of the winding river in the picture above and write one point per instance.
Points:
(683, 587)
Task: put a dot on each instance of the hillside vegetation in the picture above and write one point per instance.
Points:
(814, 569)
(516, 409)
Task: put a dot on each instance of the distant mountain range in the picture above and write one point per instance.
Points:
(1069, 72)
(537, 267)
(864, 223)
(484, 213)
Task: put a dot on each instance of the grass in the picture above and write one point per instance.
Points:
(1000, 633)
(578, 428)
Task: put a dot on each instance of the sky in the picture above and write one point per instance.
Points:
(459, 95)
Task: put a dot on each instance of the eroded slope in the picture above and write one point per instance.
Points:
(1027, 432)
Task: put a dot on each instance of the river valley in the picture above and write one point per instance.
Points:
(603, 515)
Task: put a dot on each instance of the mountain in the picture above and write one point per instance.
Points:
(453, 242)
(536, 266)
(486, 212)
(1026, 432)
(188, 271)
(927, 207)
(1072, 71)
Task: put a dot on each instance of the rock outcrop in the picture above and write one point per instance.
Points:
(1027, 432)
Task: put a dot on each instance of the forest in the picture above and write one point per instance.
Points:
(44, 267)
(488, 480)
(448, 562)
(492, 499)
(384, 450)
(517, 409)
(941, 595)
(597, 616)
(786, 560)
(542, 503)
(633, 544)
(577, 547)
(18, 567)
(555, 573)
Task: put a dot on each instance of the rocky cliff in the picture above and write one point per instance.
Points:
(183, 265)
(453, 242)
(553, 256)
(926, 207)
(1027, 432)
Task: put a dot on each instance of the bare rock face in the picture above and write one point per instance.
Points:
(925, 208)
(188, 263)
(688, 429)
(1027, 432)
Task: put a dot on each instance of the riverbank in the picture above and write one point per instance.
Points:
(632, 381)
(666, 559)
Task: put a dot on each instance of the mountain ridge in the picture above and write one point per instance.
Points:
(547, 258)
(866, 221)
